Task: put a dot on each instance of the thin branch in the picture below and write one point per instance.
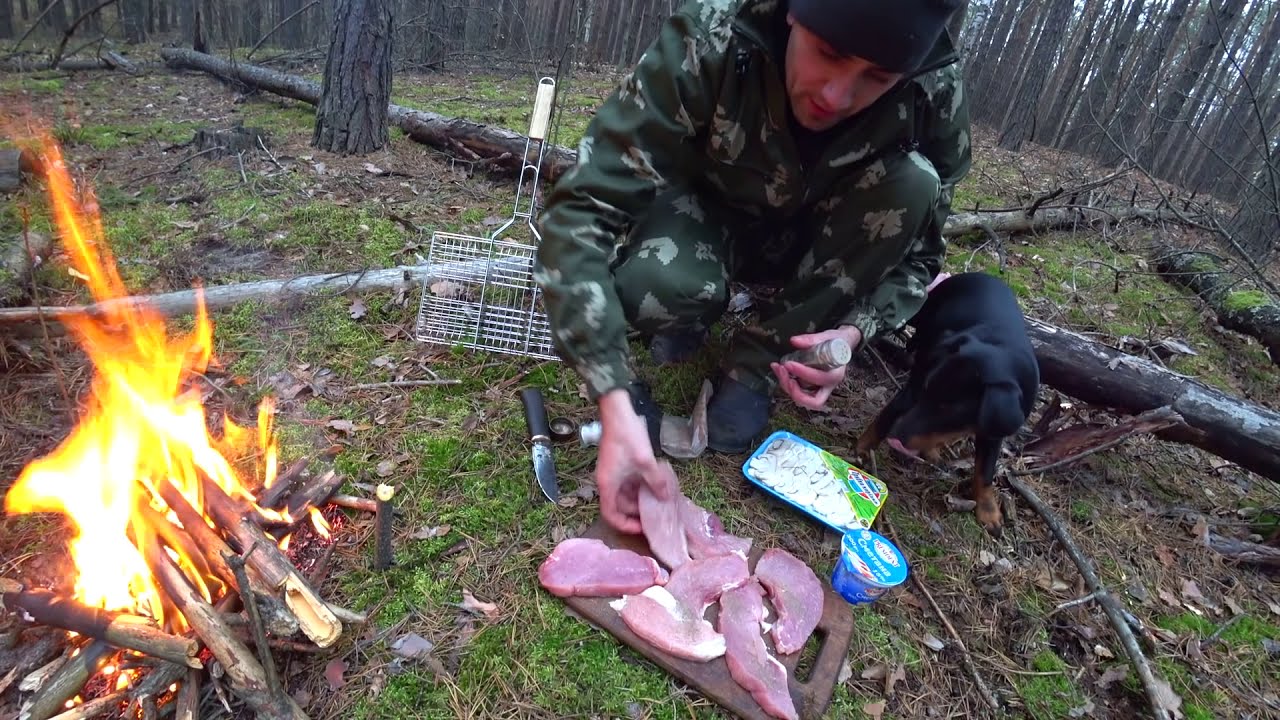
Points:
(984, 691)
(57, 55)
(279, 25)
(1110, 605)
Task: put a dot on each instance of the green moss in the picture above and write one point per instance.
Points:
(1050, 696)
(1242, 300)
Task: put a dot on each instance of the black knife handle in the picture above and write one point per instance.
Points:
(535, 415)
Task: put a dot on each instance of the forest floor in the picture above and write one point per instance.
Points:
(474, 521)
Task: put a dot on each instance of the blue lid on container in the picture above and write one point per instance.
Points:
(874, 558)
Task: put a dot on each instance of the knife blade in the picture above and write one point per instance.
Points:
(544, 466)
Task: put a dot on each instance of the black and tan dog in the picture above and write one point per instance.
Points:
(974, 374)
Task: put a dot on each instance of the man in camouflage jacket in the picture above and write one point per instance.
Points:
(811, 145)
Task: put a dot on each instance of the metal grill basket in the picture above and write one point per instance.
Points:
(479, 292)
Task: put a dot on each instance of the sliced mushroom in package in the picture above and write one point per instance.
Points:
(816, 482)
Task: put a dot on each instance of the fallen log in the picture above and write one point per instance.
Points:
(1243, 551)
(1242, 308)
(497, 147)
(109, 61)
(1018, 221)
(1229, 427)
(223, 296)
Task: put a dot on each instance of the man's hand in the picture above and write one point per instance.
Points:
(625, 461)
(807, 387)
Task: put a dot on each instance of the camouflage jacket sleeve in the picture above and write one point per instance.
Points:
(945, 141)
(642, 136)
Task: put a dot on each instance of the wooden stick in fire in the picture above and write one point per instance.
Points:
(270, 497)
(247, 677)
(315, 618)
(187, 706)
(214, 550)
(67, 681)
(255, 619)
(122, 630)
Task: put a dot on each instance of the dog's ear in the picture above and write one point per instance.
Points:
(1000, 413)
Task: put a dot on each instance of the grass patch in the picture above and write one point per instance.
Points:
(885, 643)
(1049, 696)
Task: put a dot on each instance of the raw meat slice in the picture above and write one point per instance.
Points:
(698, 583)
(586, 567)
(796, 595)
(660, 522)
(705, 533)
(748, 658)
(668, 625)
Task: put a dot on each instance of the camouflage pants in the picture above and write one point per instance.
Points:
(673, 272)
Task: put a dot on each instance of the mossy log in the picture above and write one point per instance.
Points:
(1232, 428)
(1238, 307)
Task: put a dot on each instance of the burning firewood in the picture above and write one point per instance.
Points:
(172, 562)
(119, 629)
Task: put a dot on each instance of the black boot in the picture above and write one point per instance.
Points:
(677, 346)
(736, 417)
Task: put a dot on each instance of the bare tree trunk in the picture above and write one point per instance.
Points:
(134, 20)
(56, 19)
(352, 115)
(1130, 122)
(6, 19)
(1070, 73)
(987, 58)
(1092, 110)
(1019, 122)
(1248, 104)
(998, 93)
(1216, 26)
(1174, 157)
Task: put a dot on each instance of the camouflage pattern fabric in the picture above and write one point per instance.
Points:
(690, 172)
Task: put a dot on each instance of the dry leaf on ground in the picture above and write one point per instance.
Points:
(412, 646)
(898, 675)
(874, 710)
(428, 532)
(479, 607)
(334, 673)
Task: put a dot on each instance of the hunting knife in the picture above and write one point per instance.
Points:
(544, 467)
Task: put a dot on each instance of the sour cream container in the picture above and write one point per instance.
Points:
(868, 567)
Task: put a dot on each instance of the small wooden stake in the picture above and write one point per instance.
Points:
(382, 557)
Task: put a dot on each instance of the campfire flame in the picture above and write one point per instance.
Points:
(143, 422)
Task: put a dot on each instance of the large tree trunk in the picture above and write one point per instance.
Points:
(1244, 310)
(352, 116)
(499, 148)
(135, 21)
(6, 19)
(1229, 427)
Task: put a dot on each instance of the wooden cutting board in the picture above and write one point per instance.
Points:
(811, 694)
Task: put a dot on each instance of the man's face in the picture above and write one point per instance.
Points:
(826, 87)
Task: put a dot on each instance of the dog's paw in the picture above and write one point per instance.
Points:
(988, 514)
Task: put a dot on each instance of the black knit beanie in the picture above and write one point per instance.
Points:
(897, 35)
